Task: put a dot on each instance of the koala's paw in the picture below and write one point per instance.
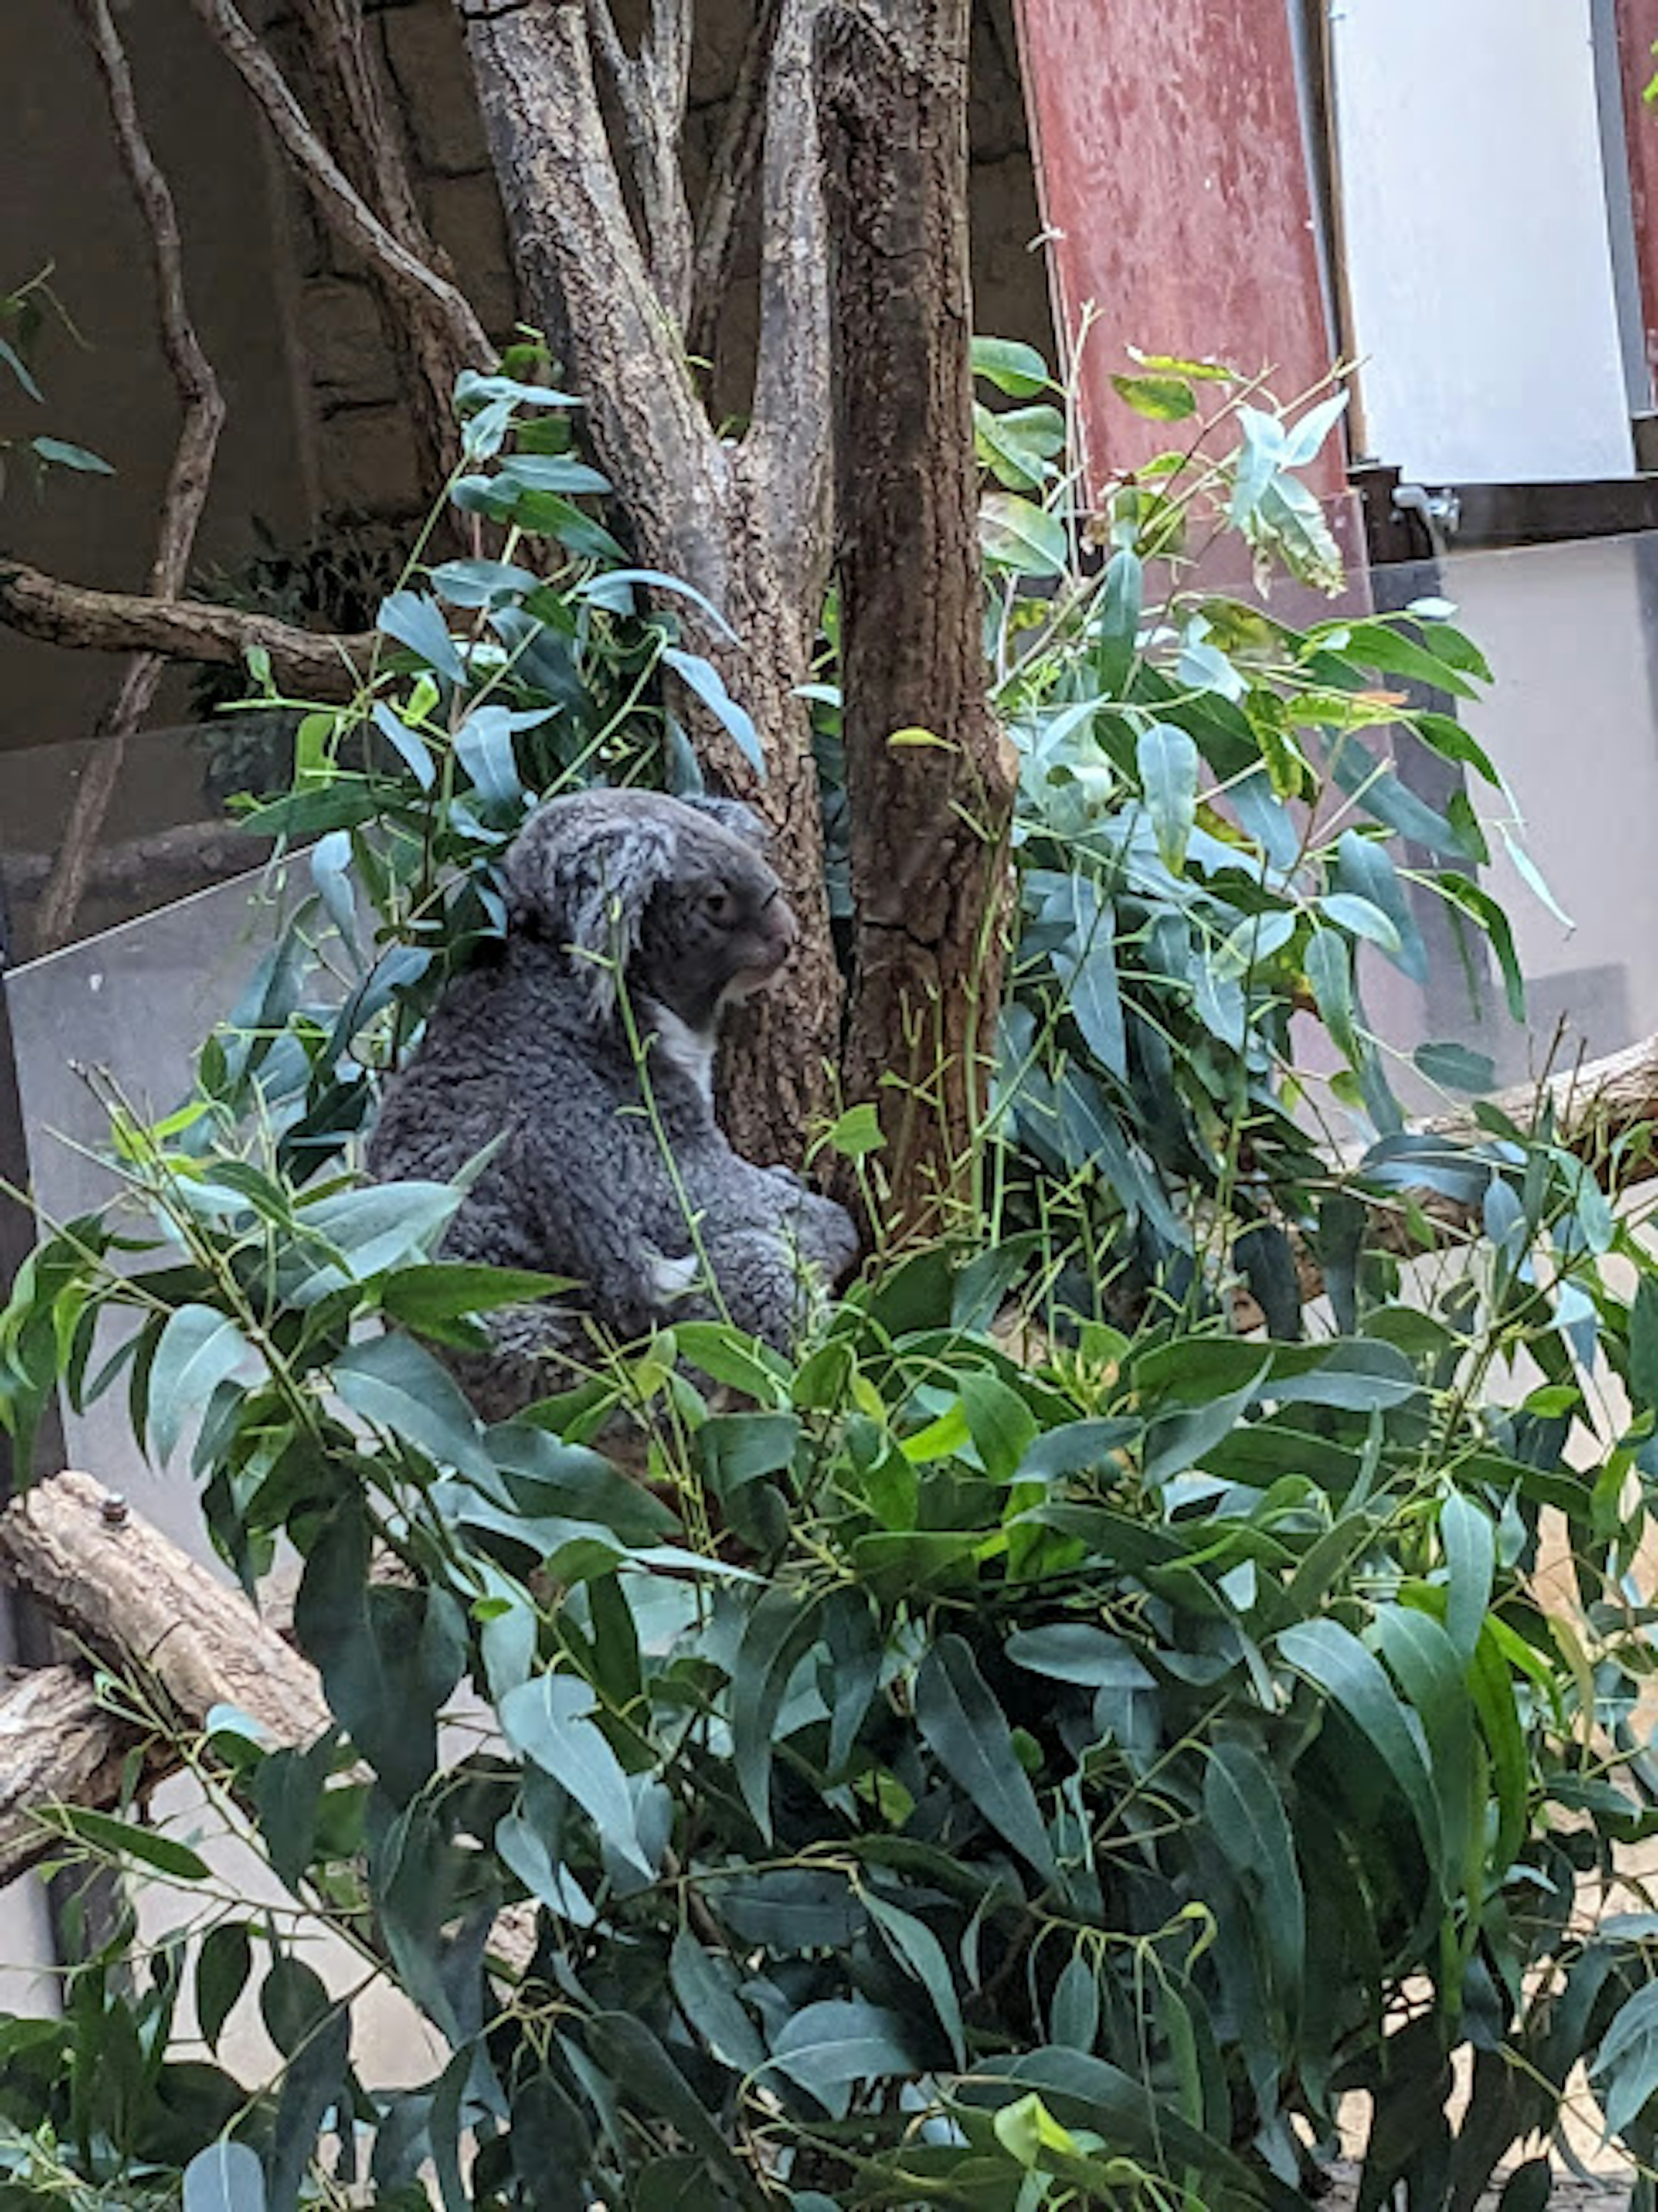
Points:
(673, 1279)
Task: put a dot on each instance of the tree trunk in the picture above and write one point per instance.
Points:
(744, 521)
(930, 776)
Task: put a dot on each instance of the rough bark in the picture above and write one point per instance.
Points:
(131, 1596)
(57, 1746)
(135, 1599)
(307, 664)
(930, 860)
(743, 521)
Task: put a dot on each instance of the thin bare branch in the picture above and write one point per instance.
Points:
(731, 172)
(305, 664)
(789, 444)
(202, 418)
(345, 64)
(343, 208)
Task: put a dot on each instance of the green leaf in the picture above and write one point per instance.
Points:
(547, 1721)
(226, 2176)
(1470, 1544)
(829, 2046)
(422, 1297)
(1643, 1344)
(1460, 891)
(1001, 1424)
(415, 619)
(1244, 1804)
(313, 2033)
(857, 1132)
(389, 1656)
(1168, 761)
(705, 1984)
(637, 2064)
(1456, 1067)
(1018, 370)
(915, 1947)
(199, 1349)
(776, 1636)
(1160, 399)
(965, 1730)
(703, 678)
(1335, 1662)
(1084, 2092)
(1016, 534)
(61, 454)
(124, 1839)
(395, 1384)
(1329, 964)
(1075, 1651)
(222, 1966)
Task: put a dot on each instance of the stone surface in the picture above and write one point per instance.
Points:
(368, 462)
(466, 220)
(344, 343)
(427, 51)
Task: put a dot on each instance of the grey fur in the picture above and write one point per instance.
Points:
(533, 1052)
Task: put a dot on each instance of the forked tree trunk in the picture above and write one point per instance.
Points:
(745, 522)
(930, 776)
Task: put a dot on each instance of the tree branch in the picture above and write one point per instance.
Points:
(586, 274)
(788, 447)
(307, 664)
(651, 89)
(343, 208)
(362, 128)
(135, 1599)
(182, 500)
(732, 173)
(57, 1746)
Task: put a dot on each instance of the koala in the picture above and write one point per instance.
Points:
(674, 901)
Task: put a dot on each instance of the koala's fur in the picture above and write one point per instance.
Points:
(532, 1051)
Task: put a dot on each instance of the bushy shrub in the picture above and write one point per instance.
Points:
(1004, 1758)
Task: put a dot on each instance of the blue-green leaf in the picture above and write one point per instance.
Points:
(396, 1384)
(548, 1721)
(1333, 1658)
(706, 680)
(965, 1730)
(1167, 761)
(226, 2176)
(776, 1637)
(828, 2047)
(414, 619)
(199, 1349)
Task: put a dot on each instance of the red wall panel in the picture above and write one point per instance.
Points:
(1174, 183)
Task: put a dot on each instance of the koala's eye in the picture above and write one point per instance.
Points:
(719, 904)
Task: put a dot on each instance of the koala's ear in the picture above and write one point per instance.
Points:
(731, 814)
(580, 874)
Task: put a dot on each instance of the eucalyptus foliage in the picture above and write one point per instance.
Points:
(1001, 1758)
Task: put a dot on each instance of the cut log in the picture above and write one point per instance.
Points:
(133, 1597)
(121, 1586)
(57, 1746)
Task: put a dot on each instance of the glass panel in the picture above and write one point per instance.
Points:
(165, 831)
